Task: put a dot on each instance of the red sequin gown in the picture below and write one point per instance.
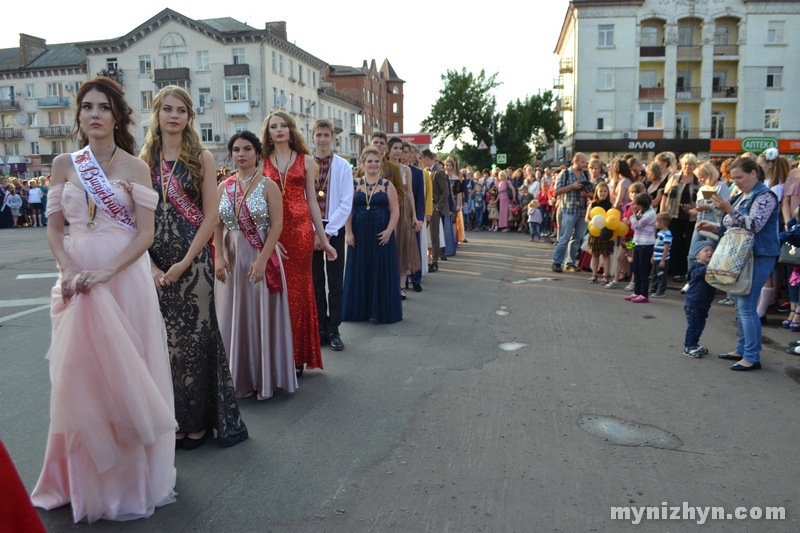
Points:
(298, 239)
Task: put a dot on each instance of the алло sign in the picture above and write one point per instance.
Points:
(758, 144)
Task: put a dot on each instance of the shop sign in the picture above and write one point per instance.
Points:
(758, 144)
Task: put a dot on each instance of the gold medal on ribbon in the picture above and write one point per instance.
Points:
(92, 225)
(321, 194)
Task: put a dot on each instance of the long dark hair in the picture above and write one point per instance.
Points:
(249, 136)
(747, 165)
(119, 109)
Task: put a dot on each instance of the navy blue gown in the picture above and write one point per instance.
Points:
(371, 271)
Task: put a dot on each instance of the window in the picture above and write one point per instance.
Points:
(395, 107)
(719, 81)
(721, 35)
(34, 148)
(774, 76)
(112, 63)
(206, 133)
(605, 36)
(203, 62)
(237, 89)
(300, 73)
(395, 90)
(274, 61)
(58, 147)
(56, 118)
(604, 121)
(32, 122)
(302, 109)
(683, 124)
(396, 128)
(648, 79)
(649, 36)
(30, 91)
(7, 121)
(280, 64)
(282, 99)
(291, 69)
(239, 126)
(147, 99)
(775, 32)
(238, 56)
(718, 125)
(173, 60)
(291, 102)
(204, 97)
(605, 78)
(684, 79)
(651, 116)
(274, 96)
(772, 119)
(314, 77)
(55, 89)
(145, 65)
(183, 84)
(12, 148)
(685, 36)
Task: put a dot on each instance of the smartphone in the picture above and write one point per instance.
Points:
(708, 194)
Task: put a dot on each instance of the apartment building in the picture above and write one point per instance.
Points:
(236, 74)
(711, 77)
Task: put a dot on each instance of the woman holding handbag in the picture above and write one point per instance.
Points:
(755, 208)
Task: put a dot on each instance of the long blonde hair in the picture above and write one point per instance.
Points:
(191, 147)
(296, 140)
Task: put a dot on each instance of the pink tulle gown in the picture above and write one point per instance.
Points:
(111, 446)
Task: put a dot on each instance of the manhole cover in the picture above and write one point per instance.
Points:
(511, 346)
(627, 433)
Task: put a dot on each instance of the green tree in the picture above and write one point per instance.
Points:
(463, 112)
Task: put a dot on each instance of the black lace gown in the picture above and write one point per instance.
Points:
(204, 394)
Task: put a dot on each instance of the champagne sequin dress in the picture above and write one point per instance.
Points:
(254, 323)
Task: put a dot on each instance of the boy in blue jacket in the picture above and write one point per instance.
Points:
(699, 297)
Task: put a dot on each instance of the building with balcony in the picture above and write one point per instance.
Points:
(379, 91)
(644, 76)
(236, 74)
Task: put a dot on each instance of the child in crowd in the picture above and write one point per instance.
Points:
(600, 249)
(478, 206)
(14, 201)
(494, 214)
(661, 255)
(535, 220)
(792, 236)
(643, 223)
(625, 244)
(699, 296)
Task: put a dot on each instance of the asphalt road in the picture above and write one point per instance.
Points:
(428, 425)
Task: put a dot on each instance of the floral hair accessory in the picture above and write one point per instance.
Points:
(770, 154)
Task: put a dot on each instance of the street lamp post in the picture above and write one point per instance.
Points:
(493, 148)
(308, 112)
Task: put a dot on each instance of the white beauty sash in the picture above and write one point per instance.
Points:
(99, 188)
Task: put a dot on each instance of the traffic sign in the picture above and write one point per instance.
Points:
(482, 145)
(502, 159)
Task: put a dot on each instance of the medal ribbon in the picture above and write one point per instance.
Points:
(282, 176)
(165, 183)
(237, 206)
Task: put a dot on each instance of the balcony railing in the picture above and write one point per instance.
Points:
(170, 74)
(565, 65)
(9, 105)
(11, 133)
(723, 133)
(653, 93)
(730, 91)
(652, 51)
(687, 93)
(687, 133)
(113, 73)
(338, 125)
(566, 103)
(690, 52)
(238, 69)
(726, 49)
(53, 101)
(558, 83)
(54, 131)
(47, 159)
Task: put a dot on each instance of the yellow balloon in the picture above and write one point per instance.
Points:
(622, 230)
(612, 222)
(594, 232)
(613, 213)
(597, 211)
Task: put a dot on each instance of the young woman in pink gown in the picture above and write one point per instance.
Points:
(110, 450)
